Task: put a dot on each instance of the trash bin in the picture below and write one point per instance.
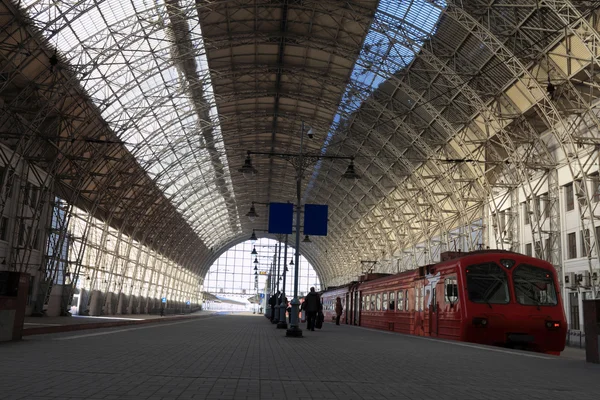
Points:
(13, 301)
(591, 324)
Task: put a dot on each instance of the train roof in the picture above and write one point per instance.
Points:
(445, 257)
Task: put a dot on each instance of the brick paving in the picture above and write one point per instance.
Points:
(38, 326)
(245, 357)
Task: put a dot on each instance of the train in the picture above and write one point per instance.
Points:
(490, 297)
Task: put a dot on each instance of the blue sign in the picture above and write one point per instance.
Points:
(315, 219)
(262, 295)
(187, 302)
(281, 217)
(164, 299)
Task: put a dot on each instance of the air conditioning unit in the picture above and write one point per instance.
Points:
(571, 280)
(585, 281)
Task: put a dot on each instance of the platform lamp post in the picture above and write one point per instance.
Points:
(282, 320)
(300, 162)
(277, 261)
(255, 310)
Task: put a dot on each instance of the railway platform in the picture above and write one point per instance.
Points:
(246, 357)
(45, 325)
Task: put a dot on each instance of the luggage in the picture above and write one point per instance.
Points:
(319, 321)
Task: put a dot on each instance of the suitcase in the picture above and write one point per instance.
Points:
(319, 321)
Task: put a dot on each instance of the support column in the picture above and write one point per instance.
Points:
(282, 321)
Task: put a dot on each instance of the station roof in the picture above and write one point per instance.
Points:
(144, 111)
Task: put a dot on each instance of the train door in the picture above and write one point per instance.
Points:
(420, 314)
(357, 306)
(433, 313)
(347, 306)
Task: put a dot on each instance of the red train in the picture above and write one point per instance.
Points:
(492, 297)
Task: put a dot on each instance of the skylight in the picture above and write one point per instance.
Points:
(396, 35)
(124, 55)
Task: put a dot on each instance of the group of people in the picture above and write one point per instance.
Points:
(312, 306)
(275, 300)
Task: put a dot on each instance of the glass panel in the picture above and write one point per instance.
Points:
(392, 302)
(534, 286)
(570, 203)
(384, 305)
(574, 314)
(451, 290)
(487, 283)
(378, 302)
(572, 245)
(401, 300)
(232, 275)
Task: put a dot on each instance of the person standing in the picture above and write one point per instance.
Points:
(312, 303)
(338, 310)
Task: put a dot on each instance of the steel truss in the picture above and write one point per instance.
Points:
(461, 132)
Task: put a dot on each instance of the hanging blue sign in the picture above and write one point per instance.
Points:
(164, 299)
(281, 218)
(315, 219)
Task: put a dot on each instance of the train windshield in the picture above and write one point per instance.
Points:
(534, 286)
(487, 283)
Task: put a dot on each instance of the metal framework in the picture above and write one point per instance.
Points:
(465, 119)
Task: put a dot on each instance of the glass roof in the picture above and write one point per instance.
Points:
(126, 57)
(411, 106)
(395, 37)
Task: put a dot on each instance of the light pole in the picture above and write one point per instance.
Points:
(294, 329)
(278, 300)
(282, 321)
(300, 162)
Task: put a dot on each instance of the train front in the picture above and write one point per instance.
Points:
(513, 301)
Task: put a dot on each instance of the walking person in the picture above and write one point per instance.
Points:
(312, 304)
(338, 310)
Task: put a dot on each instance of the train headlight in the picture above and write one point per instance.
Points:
(552, 324)
(478, 321)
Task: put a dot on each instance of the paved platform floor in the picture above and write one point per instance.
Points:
(46, 325)
(31, 322)
(245, 357)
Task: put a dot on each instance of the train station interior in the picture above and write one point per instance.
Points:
(170, 167)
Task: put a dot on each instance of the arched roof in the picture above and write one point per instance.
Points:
(145, 109)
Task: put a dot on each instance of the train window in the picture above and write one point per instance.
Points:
(384, 304)
(419, 298)
(401, 300)
(392, 302)
(487, 283)
(451, 290)
(378, 302)
(372, 302)
(362, 303)
(534, 286)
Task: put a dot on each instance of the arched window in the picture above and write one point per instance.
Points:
(232, 276)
